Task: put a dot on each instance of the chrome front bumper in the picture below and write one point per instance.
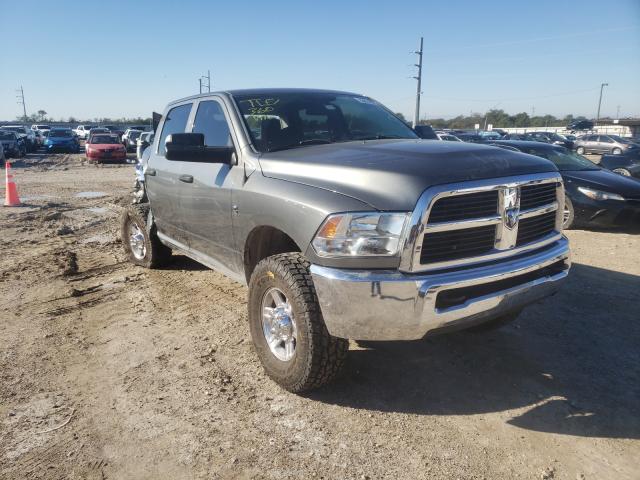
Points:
(390, 305)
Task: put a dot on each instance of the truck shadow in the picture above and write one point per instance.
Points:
(570, 365)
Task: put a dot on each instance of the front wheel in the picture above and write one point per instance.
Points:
(580, 151)
(287, 328)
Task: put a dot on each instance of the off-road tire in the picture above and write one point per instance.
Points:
(319, 357)
(496, 323)
(580, 151)
(569, 205)
(156, 254)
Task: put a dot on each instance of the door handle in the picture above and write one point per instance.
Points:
(186, 178)
(151, 172)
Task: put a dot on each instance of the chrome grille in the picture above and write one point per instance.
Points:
(471, 222)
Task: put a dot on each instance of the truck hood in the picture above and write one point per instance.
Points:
(391, 174)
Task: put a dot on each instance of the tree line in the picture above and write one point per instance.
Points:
(41, 116)
(499, 119)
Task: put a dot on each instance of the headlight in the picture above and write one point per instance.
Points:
(598, 195)
(362, 234)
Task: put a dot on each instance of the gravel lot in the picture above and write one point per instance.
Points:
(109, 371)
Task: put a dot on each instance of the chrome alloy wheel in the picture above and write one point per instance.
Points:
(136, 241)
(278, 324)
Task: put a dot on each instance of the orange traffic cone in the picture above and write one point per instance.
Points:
(11, 198)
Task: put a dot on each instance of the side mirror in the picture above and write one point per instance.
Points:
(190, 147)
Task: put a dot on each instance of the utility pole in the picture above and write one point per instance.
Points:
(416, 116)
(200, 82)
(533, 112)
(618, 112)
(20, 98)
(602, 85)
(209, 81)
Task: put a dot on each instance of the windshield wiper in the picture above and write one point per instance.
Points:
(380, 137)
(302, 143)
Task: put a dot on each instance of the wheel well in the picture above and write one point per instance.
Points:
(263, 242)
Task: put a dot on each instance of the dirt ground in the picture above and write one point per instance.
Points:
(110, 371)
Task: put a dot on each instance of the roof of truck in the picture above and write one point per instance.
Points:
(262, 91)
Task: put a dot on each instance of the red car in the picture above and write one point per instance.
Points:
(103, 147)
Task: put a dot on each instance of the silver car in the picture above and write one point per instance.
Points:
(144, 140)
(604, 144)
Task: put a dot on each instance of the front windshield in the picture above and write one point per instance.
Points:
(564, 159)
(15, 129)
(6, 136)
(60, 133)
(279, 121)
(134, 134)
(104, 139)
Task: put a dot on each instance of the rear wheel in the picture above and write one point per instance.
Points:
(580, 151)
(568, 214)
(140, 240)
(622, 171)
(287, 328)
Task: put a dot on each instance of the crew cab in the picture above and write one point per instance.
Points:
(344, 224)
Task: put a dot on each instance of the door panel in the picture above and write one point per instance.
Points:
(162, 178)
(207, 201)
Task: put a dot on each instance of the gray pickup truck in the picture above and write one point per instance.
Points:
(344, 224)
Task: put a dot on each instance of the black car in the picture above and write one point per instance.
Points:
(426, 132)
(471, 136)
(14, 146)
(594, 196)
(627, 164)
(550, 137)
(580, 125)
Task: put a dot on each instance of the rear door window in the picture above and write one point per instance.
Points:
(176, 122)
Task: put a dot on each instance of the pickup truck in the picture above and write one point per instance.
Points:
(344, 224)
(82, 131)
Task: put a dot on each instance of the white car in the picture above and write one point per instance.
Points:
(40, 128)
(82, 131)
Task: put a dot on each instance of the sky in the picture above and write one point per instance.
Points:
(129, 58)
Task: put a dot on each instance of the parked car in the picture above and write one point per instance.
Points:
(345, 229)
(105, 147)
(489, 135)
(62, 140)
(626, 164)
(40, 128)
(39, 138)
(471, 137)
(426, 132)
(130, 138)
(595, 197)
(550, 137)
(82, 131)
(11, 144)
(142, 128)
(144, 140)
(26, 133)
(3, 158)
(604, 144)
(447, 137)
(115, 130)
(96, 130)
(580, 125)
(515, 136)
